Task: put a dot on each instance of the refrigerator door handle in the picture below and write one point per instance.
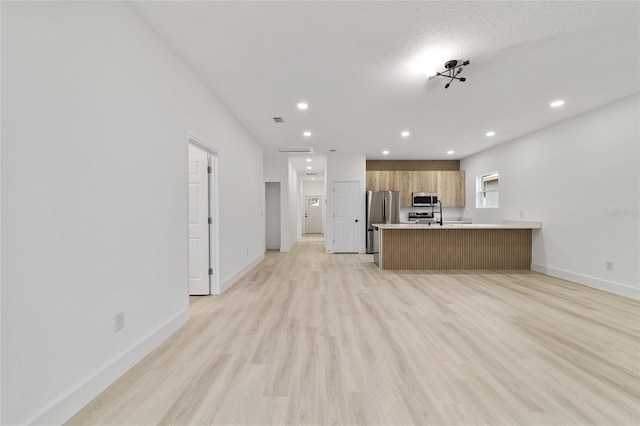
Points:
(384, 209)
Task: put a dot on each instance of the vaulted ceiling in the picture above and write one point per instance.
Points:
(362, 68)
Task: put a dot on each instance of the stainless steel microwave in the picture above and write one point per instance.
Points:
(424, 199)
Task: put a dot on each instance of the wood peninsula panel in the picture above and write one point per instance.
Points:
(456, 249)
(410, 165)
(451, 188)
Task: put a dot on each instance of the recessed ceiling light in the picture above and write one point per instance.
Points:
(405, 133)
(385, 152)
(307, 134)
(556, 104)
(308, 160)
(450, 152)
(303, 105)
(313, 178)
(309, 168)
(491, 133)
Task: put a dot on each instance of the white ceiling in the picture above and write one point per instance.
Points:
(318, 164)
(353, 62)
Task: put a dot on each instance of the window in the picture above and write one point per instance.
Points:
(487, 189)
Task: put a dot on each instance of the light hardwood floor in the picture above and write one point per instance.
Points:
(311, 338)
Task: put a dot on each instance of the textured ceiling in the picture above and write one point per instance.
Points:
(354, 63)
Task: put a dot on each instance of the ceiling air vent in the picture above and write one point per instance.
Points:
(312, 174)
(299, 149)
(278, 119)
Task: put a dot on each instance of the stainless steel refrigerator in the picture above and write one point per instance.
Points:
(382, 207)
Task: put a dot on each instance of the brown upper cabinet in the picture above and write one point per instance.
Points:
(424, 181)
(387, 180)
(450, 185)
(404, 183)
(451, 188)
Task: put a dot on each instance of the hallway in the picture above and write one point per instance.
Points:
(312, 338)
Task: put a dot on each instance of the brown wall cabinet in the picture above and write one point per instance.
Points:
(451, 188)
(450, 185)
(424, 181)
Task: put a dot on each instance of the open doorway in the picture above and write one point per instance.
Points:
(202, 220)
(272, 215)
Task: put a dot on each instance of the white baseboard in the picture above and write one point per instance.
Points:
(226, 284)
(63, 409)
(273, 246)
(610, 287)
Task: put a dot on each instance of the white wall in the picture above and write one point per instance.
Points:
(310, 187)
(294, 207)
(95, 112)
(272, 215)
(581, 178)
(0, 214)
(345, 168)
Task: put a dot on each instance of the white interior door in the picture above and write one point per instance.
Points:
(214, 275)
(313, 214)
(346, 214)
(199, 272)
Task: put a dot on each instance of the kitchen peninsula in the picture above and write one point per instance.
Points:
(454, 246)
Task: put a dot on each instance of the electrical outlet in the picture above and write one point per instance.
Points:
(118, 321)
(247, 252)
(608, 266)
(521, 213)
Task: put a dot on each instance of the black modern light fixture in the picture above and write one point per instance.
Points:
(451, 71)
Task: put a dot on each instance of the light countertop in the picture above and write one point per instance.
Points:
(423, 222)
(510, 225)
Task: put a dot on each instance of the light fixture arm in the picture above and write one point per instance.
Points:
(451, 71)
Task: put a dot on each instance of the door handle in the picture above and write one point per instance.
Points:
(356, 220)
